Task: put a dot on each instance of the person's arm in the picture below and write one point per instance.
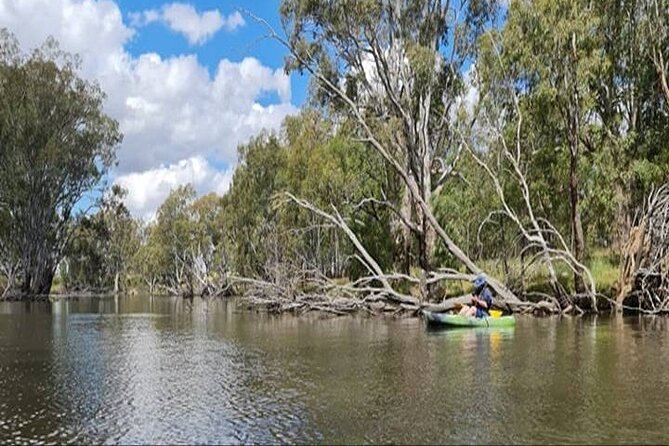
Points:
(479, 302)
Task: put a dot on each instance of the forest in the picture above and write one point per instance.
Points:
(526, 141)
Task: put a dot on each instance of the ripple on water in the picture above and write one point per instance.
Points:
(132, 380)
(196, 377)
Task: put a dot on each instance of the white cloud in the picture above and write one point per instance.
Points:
(138, 19)
(169, 109)
(234, 21)
(148, 189)
(184, 19)
(93, 29)
(174, 110)
(470, 97)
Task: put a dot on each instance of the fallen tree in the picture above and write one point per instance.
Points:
(399, 89)
(298, 292)
(643, 284)
(497, 146)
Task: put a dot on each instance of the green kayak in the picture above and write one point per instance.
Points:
(456, 320)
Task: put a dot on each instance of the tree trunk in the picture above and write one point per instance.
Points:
(428, 237)
(658, 60)
(38, 272)
(43, 285)
(578, 243)
(404, 233)
(622, 223)
(116, 276)
(423, 254)
(38, 282)
(576, 226)
(427, 242)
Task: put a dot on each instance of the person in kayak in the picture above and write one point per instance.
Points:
(481, 300)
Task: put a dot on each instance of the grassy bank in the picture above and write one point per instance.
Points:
(602, 263)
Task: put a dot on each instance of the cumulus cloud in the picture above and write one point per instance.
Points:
(175, 109)
(93, 29)
(169, 109)
(149, 189)
(184, 19)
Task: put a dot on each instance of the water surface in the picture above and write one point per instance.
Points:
(163, 370)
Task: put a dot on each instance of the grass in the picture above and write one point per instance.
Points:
(605, 271)
(602, 264)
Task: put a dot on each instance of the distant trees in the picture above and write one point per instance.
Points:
(56, 143)
(102, 247)
(187, 242)
(317, 161)
(530, 141)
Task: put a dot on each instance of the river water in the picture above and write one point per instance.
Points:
(163, 370)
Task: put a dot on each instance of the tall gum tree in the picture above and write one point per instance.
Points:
(554, 51)
(395, 69)
(56, 144)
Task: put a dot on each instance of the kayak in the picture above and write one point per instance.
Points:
(456, 320)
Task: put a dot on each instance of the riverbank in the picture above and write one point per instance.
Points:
(390, 306)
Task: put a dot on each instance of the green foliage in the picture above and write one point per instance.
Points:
(55, 144)
(249, 222)
(321, 165)
(102, 246)
(185, 246)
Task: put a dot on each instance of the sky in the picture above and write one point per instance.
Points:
(188, 81)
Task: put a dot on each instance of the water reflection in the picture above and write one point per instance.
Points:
(165, 370)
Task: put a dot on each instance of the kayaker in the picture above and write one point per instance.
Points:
(481, 300)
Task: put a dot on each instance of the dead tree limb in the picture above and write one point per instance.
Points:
(419, 142)
(338, 221)
(644, 274)
(532, 227)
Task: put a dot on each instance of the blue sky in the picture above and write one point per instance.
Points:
(243, 42)
(188, 82)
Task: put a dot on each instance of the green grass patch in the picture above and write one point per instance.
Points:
(602, 263)
(605, 271)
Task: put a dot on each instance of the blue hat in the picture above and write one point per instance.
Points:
(479, 281)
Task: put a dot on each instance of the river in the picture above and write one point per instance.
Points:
(162, 370)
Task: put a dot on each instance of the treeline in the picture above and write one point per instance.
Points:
(440, 141)
(194, 245)
(56, 145)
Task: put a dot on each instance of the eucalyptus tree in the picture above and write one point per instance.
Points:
(636, 103)
(655, 28)
(56, 144)
(395, 69)
(250, 219)
(328, 167)
(102, 246)
(124, 240)
(174, 237)
(209, 261)
(552, 52)
(150, 260)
